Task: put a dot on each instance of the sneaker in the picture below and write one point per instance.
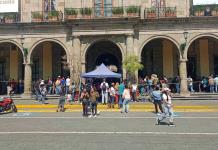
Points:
(95, 116)
(157, 121)
(90, 116)
(171, 124)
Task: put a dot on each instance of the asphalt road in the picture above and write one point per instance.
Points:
(109, 131)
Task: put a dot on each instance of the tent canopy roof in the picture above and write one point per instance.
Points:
(101, 72)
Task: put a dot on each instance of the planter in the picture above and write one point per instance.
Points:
(170, 14)
(7, 20)
(86, 16)
(71, 17)
(151, 15)
(132, 14)
(53, 19)
(199, 13)
(36, 19)
(214, 13)
(117, 15)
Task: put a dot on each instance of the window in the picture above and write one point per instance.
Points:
(103, 8)
(49, 5)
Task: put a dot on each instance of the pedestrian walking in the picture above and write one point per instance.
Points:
(121, 88)
(134, 91)
(85, 102)
(168, 107)
(61, 100)
(156, 95)
(104, 91)
(112, 96)
(43, 91)
(94, 95)
(126, 99)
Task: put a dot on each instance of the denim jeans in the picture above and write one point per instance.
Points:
(168, 111)
(190, 87)
(120, 103)
(104, 97)
(177, 88)
(126, 105)
(211, 88)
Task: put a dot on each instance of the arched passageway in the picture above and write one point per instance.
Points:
(49, 59)
(203, 58)
(11, 67)
(105, 52)
(160, 56)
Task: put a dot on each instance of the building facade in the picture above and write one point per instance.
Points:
(48, 38)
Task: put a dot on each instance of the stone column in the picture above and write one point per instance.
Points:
(183, 77)
(129, 44)
(76, 58)
(27, 81)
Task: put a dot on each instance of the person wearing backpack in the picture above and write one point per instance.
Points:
(104, 91)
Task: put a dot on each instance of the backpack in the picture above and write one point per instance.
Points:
(104, 87)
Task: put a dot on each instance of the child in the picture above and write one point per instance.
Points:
(69, 97)
(61, 100)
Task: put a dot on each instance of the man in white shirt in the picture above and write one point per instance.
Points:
(104, 91)
(67, 85)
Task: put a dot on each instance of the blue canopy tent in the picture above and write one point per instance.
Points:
(101, 72)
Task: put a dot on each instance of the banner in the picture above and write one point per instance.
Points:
(8, 6)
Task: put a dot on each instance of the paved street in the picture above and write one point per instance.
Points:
(110, 130)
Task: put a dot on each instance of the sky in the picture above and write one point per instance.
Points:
(198, 2)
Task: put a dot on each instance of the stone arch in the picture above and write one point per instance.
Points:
(48, 40)
(114, 54)
(15, 43)
(99, 40)
(197, 37)
(159, 37)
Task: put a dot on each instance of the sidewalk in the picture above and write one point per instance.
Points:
(179, 106)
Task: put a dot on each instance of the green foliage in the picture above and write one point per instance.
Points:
(170, 10)
(132, 9)
(198, 8)
(132, 64)
(53, 14)
(215, 8)
(36, 15)
(151, 10)
(10, 16)
(71, 11)
(86, 11)
(25, 50)
(117, 10)
(182, 46)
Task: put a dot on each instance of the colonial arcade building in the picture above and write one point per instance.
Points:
(48, 38)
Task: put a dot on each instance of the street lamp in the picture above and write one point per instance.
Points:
(22, 40)
(185, 36)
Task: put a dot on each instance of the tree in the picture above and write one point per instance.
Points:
(132, 64)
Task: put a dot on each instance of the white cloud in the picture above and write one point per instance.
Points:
(200, 2)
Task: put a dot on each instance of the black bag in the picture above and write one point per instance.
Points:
(104, 87)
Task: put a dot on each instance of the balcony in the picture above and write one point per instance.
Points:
(204, 10)
(11, 17)
(155, 13)
(108, 12)
(50, 16)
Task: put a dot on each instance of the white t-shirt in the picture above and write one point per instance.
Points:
(126, 94)
(167, 102)
(134, 87)
(107, 86)
(68, 82)
(112, 91)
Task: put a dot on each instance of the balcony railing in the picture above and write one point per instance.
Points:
(11, 17)
(49, 16)
(204, 10)
(107, 12)
(155, 13)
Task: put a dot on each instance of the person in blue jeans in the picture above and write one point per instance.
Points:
(126, 99)
(121, 88)
(157, 97)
